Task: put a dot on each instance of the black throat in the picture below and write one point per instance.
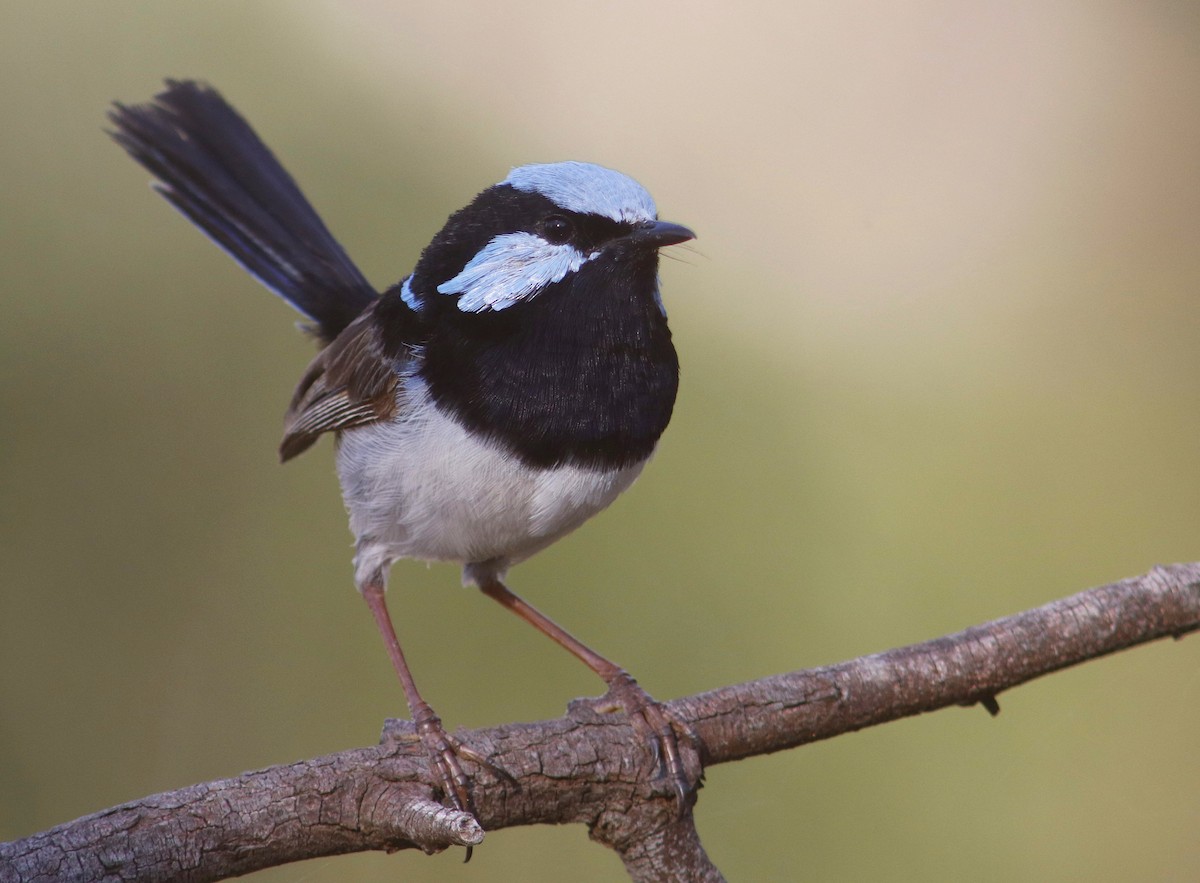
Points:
(584, 373)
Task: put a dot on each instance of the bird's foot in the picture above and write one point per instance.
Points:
(445, 753)
(660, 728)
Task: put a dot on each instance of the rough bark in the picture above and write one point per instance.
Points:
(587, 766)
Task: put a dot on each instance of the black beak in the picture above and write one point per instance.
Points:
(659, 234)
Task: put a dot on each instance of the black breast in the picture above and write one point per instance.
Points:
(583, 373)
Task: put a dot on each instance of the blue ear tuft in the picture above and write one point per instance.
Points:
(588, 189)
(511, 268)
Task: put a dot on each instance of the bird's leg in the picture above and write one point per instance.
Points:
(443, 749)
(649, 718)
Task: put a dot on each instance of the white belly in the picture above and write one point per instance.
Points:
(422, 487)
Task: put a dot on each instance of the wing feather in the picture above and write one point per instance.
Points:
(352, 382)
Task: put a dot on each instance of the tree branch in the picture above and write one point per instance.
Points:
(587, 766)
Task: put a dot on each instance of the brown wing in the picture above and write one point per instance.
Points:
(350, 383)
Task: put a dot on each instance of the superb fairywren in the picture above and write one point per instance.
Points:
(488, 404)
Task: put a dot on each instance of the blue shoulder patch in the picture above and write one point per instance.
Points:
(408, 296)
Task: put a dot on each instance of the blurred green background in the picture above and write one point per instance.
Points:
(941, 363)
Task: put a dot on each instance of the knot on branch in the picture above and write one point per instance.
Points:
(410, 814)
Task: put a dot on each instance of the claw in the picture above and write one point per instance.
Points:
(444, 752)
(479, 760)
(661, 729)
(443, 757)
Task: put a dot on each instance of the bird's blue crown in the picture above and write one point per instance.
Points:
(514, 266)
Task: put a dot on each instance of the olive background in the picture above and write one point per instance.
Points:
(940, 354)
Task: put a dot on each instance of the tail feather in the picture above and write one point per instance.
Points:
(216, 171)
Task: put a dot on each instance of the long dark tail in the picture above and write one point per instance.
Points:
(213, 168)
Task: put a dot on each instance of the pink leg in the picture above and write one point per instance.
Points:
(648, 717)
(443, 750)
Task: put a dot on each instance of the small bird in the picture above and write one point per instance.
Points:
(485, 406)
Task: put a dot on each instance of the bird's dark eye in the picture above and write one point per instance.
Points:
(556, 229)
